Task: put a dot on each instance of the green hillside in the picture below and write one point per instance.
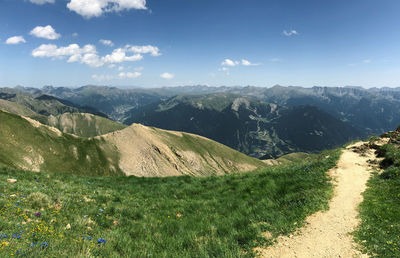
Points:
(223, 216)
(24, 145)
(136, 150)
(83, 124)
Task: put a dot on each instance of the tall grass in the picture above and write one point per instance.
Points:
(379, 232)
(158, 217)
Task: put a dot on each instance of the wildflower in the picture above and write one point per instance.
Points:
(45, 245)
(101, 241)
(16, 236)
(38, 214)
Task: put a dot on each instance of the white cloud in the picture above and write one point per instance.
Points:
(139, 68)
(95, 8)
(152, 50)
(248, 63)
(167, 76)
(102, 77)
(229, 62)
(15, 40)
(232, 63)
(119, 55)
(129, 75)
(46, 32)
(87, 55)
(121, 68)
(75, 34)
(106, 42)
(40, 2)
(290, 33)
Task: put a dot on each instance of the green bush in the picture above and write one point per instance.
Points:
(38, 200)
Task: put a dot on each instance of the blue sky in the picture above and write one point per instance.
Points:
(155, 43)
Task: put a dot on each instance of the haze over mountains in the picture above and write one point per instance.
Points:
(261, 122)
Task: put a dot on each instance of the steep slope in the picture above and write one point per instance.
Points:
(147, 151)
(83, 124)
(256, 128)
(14, 108)
(136, 150)
(28, 144)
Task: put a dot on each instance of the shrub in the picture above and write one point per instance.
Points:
(38, 200)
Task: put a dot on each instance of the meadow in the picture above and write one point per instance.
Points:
(60, 215)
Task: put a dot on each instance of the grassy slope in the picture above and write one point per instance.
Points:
(84, 125)
(163, 217)
(20, 141)
(81, 124)
(15, 108)
(379, 232)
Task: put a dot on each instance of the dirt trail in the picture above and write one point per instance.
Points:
(326, 234)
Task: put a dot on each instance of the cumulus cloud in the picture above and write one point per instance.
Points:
(290, 33)
(95, 8)
(40, 2)
(129, 75)
(232, 63)
(87, 54)
(46, 32)
(152, 50)
(119, 55)
(15, 40)
(229, 62)
(75, 34)
(167, 76)
(106, 42)
(248, 63)
(74, 53)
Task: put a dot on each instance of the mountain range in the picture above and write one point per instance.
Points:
(260, 122)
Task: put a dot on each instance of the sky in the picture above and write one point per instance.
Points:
(154, 43)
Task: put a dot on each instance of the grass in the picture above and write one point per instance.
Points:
(379, 232)
(84, 125)
(57, 215)
(53, 153)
